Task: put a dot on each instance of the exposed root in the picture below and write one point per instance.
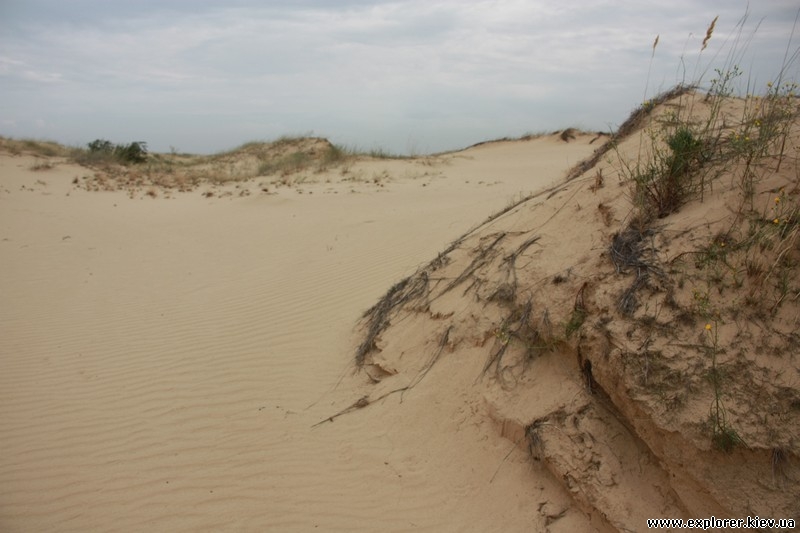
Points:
(483, 257)
(442, 343)
(516, 325)
(627, 250)
(510, 261)
(377, 316)
(361, 403)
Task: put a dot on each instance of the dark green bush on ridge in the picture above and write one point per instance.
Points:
(135, 152)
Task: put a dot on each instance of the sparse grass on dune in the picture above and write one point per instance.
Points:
(749, 266)
(566, 135)
(33, 147)
(285, 161)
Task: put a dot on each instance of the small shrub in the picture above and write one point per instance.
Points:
(101, 146)
(101, 150)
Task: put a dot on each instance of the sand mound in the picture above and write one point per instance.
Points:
(648, 364)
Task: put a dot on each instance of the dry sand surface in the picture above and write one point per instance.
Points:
(165, 360)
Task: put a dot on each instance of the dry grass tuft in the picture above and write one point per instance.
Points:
(606, 214)
(568, 134)
(599, 181)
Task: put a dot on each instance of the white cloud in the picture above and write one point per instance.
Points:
(380, 72)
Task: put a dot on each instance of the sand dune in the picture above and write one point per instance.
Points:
(643, 351)
(482, 340)
(164, 359)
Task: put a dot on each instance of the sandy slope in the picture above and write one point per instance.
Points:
(164, 360)
(603, 343)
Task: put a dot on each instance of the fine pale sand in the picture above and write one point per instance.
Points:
(164, 359)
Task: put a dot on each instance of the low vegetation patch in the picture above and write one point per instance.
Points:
(101, 150)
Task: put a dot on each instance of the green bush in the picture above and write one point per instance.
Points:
(664, 182)
(101, 146)
(135, 152)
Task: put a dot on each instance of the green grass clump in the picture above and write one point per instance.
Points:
(576, 320)
(664, 182)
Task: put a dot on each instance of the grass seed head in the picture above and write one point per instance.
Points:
(709, 32)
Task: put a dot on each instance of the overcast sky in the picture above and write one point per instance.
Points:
(406, 76)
